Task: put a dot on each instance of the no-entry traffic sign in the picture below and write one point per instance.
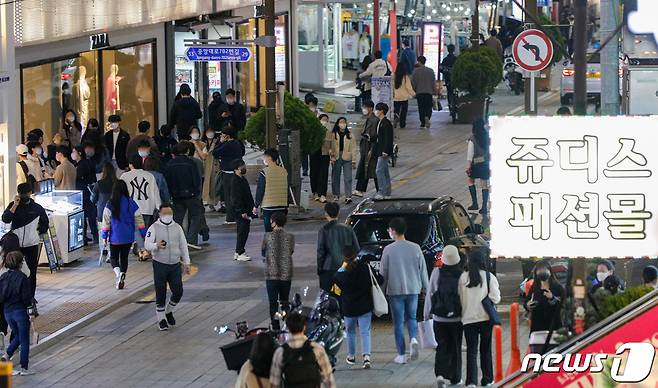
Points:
(532, 50)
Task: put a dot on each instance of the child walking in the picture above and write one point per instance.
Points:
(166, 241)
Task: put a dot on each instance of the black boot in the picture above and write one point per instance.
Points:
(485, 201)
(474, 198)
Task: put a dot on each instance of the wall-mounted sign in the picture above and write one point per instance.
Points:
(218, 54)
(574, 187)
(99, 41)
(280, 53)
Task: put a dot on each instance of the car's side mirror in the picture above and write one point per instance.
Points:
(478, 229)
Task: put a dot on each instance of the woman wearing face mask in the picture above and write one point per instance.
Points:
(84, 179)
(605, 270)
(343, 159)
(200, 151)
(544, 302)
(71, 129)
(319, 164)
(210, 169)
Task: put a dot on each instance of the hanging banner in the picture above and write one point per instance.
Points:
(574, 186)
(432, 33)
(382, 91)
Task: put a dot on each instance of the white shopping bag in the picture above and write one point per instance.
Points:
(426, 334)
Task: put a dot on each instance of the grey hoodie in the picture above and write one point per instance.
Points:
(176, 249)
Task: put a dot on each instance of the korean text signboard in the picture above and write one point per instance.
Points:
(218, 54)
(574, 186)
(382, 91)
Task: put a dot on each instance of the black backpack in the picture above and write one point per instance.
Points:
(300, 367)
(31, 180)
(445, 301)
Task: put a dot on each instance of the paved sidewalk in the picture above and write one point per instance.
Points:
(124, 349)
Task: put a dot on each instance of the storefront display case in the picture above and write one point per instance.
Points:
(64, 208)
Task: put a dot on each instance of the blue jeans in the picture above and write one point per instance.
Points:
(403, 309)
(363, 321)
(20, 324)
(383, 176)
(344, 166)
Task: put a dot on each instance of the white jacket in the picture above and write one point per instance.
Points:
(143, 189)
(471, 298)
(378, 68)
(176, 249)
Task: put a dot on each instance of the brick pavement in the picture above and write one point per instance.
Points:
(123, 349)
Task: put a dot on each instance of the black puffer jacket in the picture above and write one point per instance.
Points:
(356, 290)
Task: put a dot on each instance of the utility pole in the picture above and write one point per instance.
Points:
(270, 81)
(530, 92)
(580, 57)
(610, 58)
(475, 28)
(375, 24)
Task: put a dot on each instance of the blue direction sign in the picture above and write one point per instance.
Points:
(218, 54)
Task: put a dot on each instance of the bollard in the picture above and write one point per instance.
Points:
(515, 353)
(5, 374)
(498, 338)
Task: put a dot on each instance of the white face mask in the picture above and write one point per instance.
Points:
(365, 111)
(195, 136)
(38, 151)
(210, 135)
(342, 126)
(166, 219)
(324, 122)
(230, 101)
(601, 276)
(114, 126)
(143, 153)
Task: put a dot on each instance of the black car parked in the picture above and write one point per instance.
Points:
(432, 224)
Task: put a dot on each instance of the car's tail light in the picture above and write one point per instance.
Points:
(568, 72)
(438, 260)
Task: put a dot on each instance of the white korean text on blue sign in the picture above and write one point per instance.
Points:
(574, 186)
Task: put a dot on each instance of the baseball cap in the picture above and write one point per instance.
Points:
(21, 149)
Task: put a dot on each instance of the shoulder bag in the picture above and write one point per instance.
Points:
(378, 299)
(489, 306)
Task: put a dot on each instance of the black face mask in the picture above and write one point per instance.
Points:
(243, 171)
(25, 199)
(543, 276)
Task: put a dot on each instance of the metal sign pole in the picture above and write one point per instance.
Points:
(533, 94)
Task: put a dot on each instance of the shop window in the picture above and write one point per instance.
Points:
(127, 81)
(52, 88)
(308, 35)
(246, 71)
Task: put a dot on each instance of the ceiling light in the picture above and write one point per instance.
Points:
(429, 17)
(461, 8)
(433, 12)
(369, 5)
(448, 17)
(443, 5)
(413, 11)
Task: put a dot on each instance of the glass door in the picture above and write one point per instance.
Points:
(331, 31)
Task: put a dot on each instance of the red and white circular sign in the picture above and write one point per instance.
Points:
(532, 50)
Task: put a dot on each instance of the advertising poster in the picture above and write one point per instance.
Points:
(382, 91)
(280, 53)
(432, 45)
(574, 187)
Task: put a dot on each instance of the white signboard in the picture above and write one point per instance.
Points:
(382, 91)
(574, 186)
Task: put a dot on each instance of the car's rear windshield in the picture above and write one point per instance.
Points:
(454, 222)
(373, 229)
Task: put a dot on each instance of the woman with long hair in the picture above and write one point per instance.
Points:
(121, 217)
(478, 165)
(544, 301)
(211, 169)
(343, 159)
(71, 128)
(353, 279)
(200, 151)
(255, 372)
(85, 177)
(403, 91)
(319, 163)
(364, 84)
(474, 286)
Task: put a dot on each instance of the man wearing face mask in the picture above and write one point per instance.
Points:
(65, 174)
(382, 149)
(367, 160)
(136, 144)
(227, 151)
(232, 112)
(166, 241)
(242, 203)
(185, 113)
(604, 270)
(214, 111)
(28, 221)
(116, 142)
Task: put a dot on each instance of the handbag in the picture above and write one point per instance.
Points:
(489, 306)
(426, 334)
(379, 302)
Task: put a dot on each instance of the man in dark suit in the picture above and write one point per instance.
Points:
(383, 150)
(116, 142)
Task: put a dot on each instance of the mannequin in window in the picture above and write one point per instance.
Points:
(81, 94)
(112, 99)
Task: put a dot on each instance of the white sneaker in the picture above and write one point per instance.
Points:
(357, 193)
(243, 257)
(316, 197)
(195, 247)
(235, 256)
(413, 351)
(400, 359)
(229, 222)
(378, 196)
(323, 199)
(2, 342)
(387, 197)
(441, 382)
(427, 123)
(25, 372)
